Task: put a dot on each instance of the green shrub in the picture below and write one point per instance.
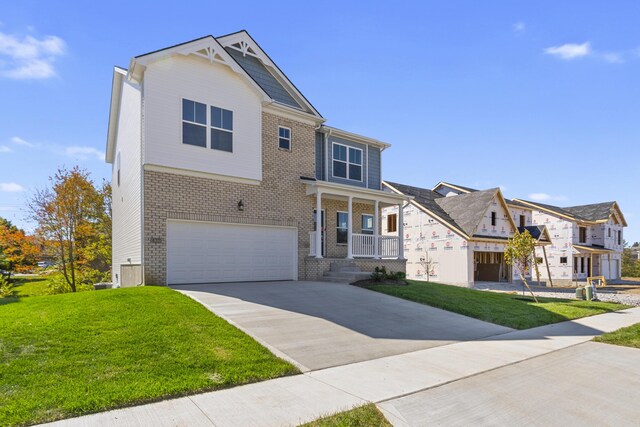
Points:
(6, 288)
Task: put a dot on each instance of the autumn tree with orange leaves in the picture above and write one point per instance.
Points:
(18, 250)
(71, 214)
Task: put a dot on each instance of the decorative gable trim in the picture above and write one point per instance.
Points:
(244, 43)
(206, 48)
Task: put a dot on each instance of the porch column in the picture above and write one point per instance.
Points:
(318, 224)
(401, 231)
(350, 229)
(376, 230)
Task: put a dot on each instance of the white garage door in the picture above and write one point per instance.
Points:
(204, 252)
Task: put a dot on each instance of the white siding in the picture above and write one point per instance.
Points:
(170, 80)
(127, 197)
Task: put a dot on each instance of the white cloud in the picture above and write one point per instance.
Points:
(84, 153)
(11, 187)
(7, 209)
(544, 197)
(519, 27)
(570, 50)
(5, 149)
(613, 57)
(19, 141)
(28, 57)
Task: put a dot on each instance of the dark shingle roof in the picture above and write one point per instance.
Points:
(552, 208)
(593, 212)
(263, 77)
(463, 211)
(536, 231)
(462, 187)
(468, 209)
(424, 197)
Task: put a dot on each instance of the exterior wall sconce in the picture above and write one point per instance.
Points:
(240, 206)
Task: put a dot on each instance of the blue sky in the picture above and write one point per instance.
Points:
(541, 98)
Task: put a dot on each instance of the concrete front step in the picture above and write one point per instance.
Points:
(342, 277)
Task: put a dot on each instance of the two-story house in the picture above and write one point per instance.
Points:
(224, 172)
(587, 240)
(457, 235)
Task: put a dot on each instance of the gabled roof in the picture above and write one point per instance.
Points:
(538, 232)
(596, 212)
(464, 189)
(591, 213)
(462, 213)
(467, 210)
(248, 46)
(454, 186)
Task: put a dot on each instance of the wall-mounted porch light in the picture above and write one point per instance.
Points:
(240, 206)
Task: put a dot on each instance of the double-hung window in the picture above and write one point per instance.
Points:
(194, 126)
(367, 224)
(284, 138)
(194, 123)
(342, 228)
(221, 129)
(347, 162)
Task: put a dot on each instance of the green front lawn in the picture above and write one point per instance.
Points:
(502, 309)
(72, 354)
(363, 416)
(30, 286)
(629, 336)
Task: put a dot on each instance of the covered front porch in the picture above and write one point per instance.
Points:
(347, 223)
(592, 261)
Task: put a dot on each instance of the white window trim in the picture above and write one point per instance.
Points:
(341, 228)
(207, 126)
(288, 139)
(348, 162)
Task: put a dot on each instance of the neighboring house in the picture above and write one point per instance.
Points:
(586, 240)
(457, 235)
(219, 163)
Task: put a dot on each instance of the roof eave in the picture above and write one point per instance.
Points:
(354, 137)
(114, 112)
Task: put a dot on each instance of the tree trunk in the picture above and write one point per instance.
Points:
(527, 285)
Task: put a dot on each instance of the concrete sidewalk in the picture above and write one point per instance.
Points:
(302, 398)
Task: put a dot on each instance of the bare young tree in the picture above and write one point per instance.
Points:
(427, 263)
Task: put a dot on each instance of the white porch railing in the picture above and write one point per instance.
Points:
(363, 245)
(389, 246)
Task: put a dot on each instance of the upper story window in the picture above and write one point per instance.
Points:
(347, 162)
(221, 129)
(609, 231)
(194, 123)
(194, 126)
(619, 237)
(494, 219)
(582, 235)
(284, 138)
(522, 220)
(367, 224)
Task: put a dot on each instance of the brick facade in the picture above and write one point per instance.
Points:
(315, 268)
(280, 199)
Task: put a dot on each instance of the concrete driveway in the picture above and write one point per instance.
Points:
(319, 325)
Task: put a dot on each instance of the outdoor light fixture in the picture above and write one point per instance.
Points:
(240, 206)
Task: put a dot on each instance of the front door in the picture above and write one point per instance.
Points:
(323, 222)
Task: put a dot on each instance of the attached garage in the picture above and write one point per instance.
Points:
(206, 252)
